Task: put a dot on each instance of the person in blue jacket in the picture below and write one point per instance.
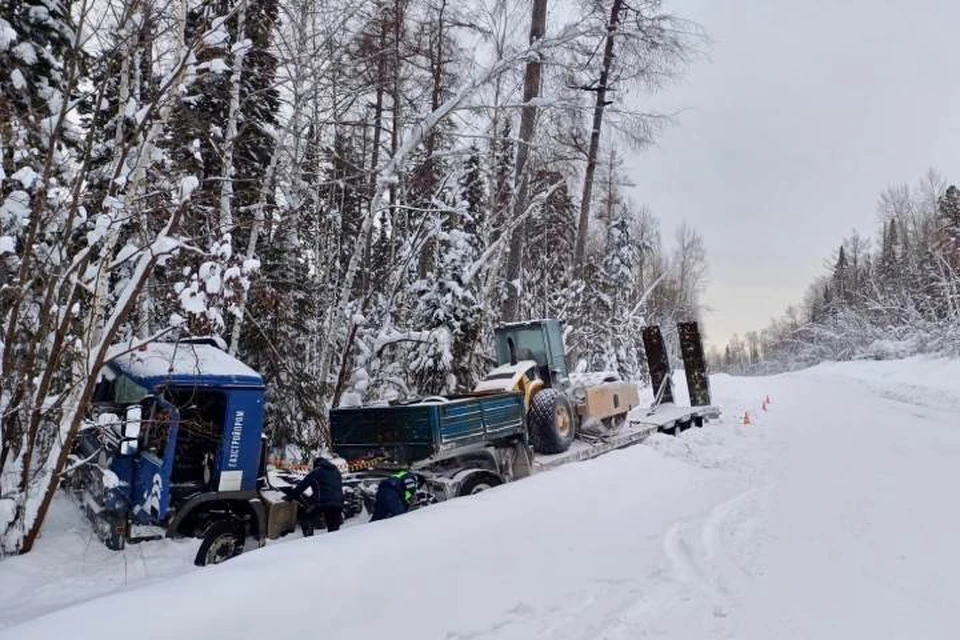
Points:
(326, 496)
(394, 495)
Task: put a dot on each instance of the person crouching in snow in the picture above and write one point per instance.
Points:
(326, 496)
(394, 495)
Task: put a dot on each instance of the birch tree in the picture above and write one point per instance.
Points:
(65, 303)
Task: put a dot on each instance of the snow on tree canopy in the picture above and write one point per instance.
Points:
(19, 82)
(187, 187)
(161, 362)
(7, 35)
(15, 209)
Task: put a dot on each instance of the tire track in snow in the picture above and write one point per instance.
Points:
(731, 537)
(711, 560)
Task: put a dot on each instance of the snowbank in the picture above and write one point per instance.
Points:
(921, 380)
(518, 555)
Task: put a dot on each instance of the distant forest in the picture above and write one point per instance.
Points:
(892, 296)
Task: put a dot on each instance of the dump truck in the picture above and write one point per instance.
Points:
(175, 447)
(528, 413)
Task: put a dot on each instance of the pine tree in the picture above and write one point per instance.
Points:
(449, 307)
(841, 278)
(948, 210)
(551, 237)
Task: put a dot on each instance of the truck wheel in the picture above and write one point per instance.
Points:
(222, 540)
(477, 482)
(552, 426)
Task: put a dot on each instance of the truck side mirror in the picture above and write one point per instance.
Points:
(131, 430)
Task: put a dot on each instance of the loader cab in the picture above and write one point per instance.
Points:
(537, 340)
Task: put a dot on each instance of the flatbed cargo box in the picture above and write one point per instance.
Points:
(435, 428)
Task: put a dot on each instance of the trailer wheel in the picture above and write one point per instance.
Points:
(222, 540)
(552, 426)
(477, 482)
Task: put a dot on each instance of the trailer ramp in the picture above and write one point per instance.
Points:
(640, 423)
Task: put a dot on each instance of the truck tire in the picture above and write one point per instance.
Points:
(223, 539)
(477, 482)
(552, 426)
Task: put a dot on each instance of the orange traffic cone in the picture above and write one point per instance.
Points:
(746, 419)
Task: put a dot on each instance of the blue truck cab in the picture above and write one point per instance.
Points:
(175, 445)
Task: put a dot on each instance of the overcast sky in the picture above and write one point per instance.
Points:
(804, 112)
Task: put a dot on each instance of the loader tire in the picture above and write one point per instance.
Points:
(222, 540)
(552, 426)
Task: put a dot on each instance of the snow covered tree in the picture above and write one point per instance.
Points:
(900, 299)
(948, 210)
(77, 269)
(551, 234)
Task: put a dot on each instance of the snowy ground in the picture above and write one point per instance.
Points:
(832, 516)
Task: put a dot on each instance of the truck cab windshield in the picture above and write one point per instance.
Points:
(118, 389)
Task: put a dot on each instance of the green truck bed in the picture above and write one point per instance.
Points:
(405, 434)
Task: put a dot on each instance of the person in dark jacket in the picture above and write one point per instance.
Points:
(394, 495)
(326, 496)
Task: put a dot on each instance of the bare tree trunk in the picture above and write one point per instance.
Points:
(180, 13)
(396, 98)
(428, 256)
(375, 150)
(601, 103)
(528, 121)
(236, 77)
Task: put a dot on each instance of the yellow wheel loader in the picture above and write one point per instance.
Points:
(532, 361)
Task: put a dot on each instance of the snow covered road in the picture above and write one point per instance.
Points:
(831, 517)
(851, 530)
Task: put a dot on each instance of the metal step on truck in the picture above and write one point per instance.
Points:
(527, 414)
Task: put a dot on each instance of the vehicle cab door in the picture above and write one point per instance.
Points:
(154, 465)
